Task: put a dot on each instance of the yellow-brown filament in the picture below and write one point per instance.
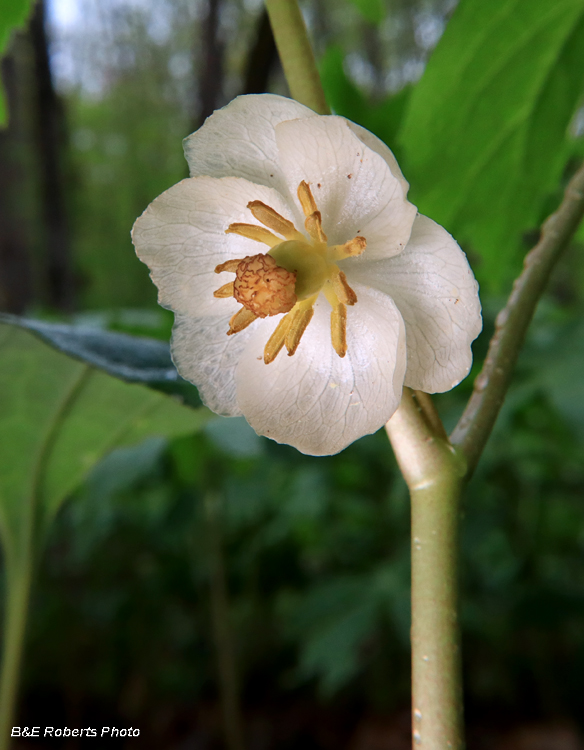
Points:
(300, 320)
(240, 320)
(272, 219)
(355, 246)
(225, 291)
(313, 226)
(306, 199)
(253, 232)
(229, 265)
(342, 289)
(276, 340)
(339, 329)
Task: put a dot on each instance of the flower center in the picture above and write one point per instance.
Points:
(290, 276)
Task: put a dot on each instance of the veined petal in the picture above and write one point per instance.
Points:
(377, 145)
(434, 288)
(353, 186)
(315, 400)
(239, 140)
(206, 356)
(181, 237)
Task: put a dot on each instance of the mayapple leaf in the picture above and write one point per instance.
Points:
(371, 10)
(484, 137)
(58, 418)
(13, 14)
(130, 358)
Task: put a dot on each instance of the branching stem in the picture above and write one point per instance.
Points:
(490, 387)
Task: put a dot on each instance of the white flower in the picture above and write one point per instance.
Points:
(331, 262)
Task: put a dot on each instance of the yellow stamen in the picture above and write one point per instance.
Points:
(253, 232)
(225, 291)
(240, 320)
(339, 329)
(272, 219)
(313, 226)
(306, 199)
(289, 278)
(276, 340)
(355, 246)
(229, 265)
(349, 250)
(302, 316)
(341, 288)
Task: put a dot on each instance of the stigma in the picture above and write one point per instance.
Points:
(289, 277)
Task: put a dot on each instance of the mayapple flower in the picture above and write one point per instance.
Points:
(294, 233)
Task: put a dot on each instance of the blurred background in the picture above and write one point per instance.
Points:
(221, 578)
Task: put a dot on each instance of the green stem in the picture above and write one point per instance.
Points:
(18, 585)
(296, 54)
(434, 474)
(475, 425)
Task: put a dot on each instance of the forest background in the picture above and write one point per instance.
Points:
(177, 554)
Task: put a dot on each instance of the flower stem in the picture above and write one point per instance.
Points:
(477, 421)
(434, 474)
(18, 584)
(296, 54)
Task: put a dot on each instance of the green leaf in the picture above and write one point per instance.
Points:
(383, 118)
(371, 10)
(485, 133)
(130, 358)
(13, 14)
(58, 417)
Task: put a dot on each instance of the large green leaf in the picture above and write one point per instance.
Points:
(58, 417)
(13, 14)
(485, 134)
(382, 118)
(131, 358)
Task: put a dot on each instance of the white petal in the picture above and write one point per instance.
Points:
(206, 356)
(239, 140)
(377, 145)
(317, 401)
(437, 295)
(353, 186)
(181, 237)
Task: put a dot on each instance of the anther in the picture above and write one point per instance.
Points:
(345, 294)
(272, 219)
(253, 232)
(225, 291)
(240, 320)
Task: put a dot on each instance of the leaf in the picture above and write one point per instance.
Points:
(130, 358)
(485, 133)
(13, 14)
(383, 118)
(58, 417)
(371, 10)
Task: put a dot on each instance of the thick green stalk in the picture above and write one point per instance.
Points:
(18, 584)
(296, 54)
(433, 472)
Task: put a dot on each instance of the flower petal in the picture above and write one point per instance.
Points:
(181, 237)
(239, 140)
(353, 186)
(437, 295)
(315, 400)
(377, 145)
(206, 356)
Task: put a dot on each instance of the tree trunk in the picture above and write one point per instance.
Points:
(50, 142)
